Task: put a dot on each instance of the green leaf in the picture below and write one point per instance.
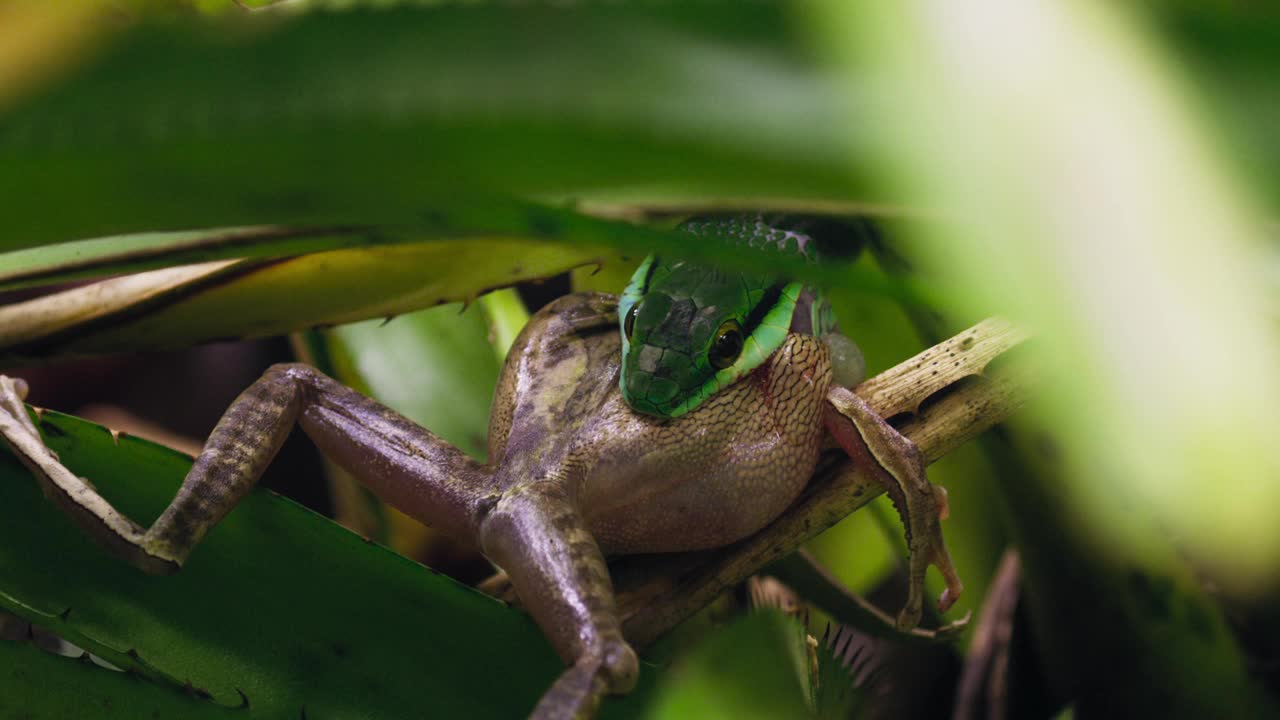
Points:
(74, 260)
(434, 366)
(228, 299)
(378, 277)
(758, 667)
(1230, 55)
(40, 685)
(506, 315)
(361, 117)
(438, 367)
(451, 222)
(276, 602)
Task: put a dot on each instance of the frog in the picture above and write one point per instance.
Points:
(591, 452)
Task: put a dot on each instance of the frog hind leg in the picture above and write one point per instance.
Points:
(895, 462)
(403, 463)
(537, 535)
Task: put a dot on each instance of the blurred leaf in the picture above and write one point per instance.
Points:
(758, 667)
(611, 275)
(1229, 53)
(687, 106)
(857, 552)
(1097, 211)
(1157, 641)
(40, 40)
(1100, 214)
(277, 602)
(435, 367)
(438, 367)
(361, 117)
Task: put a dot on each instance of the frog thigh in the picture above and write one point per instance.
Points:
(577, 330)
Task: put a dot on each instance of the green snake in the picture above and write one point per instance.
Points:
(690, 330)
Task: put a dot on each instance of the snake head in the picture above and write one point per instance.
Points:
(689, 331)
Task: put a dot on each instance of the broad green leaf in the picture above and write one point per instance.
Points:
(40, 685)
(364, 116)
(438, 367)
(278, 603)
(434, 366)
(361, 116)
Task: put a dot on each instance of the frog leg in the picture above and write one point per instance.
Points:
(892, 459)
(404, 464)
(536, 533)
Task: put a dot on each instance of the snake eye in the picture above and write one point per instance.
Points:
(629, 324)
(727, 346)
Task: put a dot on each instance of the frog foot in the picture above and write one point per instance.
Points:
(927, 547)
(878, 449)
(12, 392)
(19, 433)
(75, 495)
(577, 693)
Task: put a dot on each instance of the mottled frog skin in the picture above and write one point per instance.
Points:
(574, 474)
(646, 484)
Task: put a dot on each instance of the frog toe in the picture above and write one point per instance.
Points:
(613, 669)
(621, 668)
(12, 392)
(942, 561)
(909, 616)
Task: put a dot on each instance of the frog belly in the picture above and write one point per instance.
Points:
(655, 508)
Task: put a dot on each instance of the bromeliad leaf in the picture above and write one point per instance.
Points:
(254, 281)
(62, 262)
(229, 298)
(458, 219)
(414, 643)
(48, 686)
(359, 117)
